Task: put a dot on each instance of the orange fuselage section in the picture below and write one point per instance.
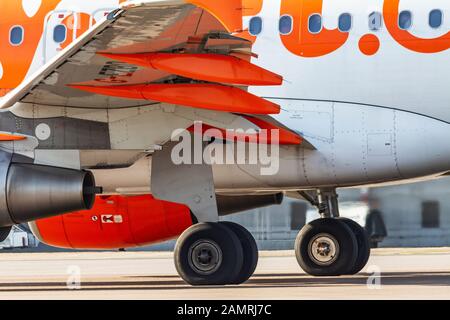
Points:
(16, 59)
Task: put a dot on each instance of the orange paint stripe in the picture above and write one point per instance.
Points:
(408, 40)
(11, 137)
(300, 41)
(16, 60)
(207, 67)
(4, 92)
(203, 96)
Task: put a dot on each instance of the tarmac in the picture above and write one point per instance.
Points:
(390, 274)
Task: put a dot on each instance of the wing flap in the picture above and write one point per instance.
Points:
(173, 26)
(197, 95)
(174, 29)
(205, 66)
(143, 26)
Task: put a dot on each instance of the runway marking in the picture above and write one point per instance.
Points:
(144, 275)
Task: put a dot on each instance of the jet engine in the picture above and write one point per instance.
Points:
(131, 221)
(29, 191)
(115, 222)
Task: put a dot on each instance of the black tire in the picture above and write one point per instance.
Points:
(225, 245)
(339, 234)
(250, 250)
(363, 242)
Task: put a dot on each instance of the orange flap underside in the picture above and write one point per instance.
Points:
(208, 67)
(285, 137)
(203, 95)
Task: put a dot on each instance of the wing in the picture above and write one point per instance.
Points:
(151, 52)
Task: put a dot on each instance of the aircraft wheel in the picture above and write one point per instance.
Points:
(363, 242)
(208, 254)
(326, 247)
(250, 250)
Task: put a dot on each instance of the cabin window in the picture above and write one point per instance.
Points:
(435, 19)
(375, 21)
(345, 22)
(285, 25)
(315, 23)
(60, 33)
(405, 20)
(16, 35)
(255, 26)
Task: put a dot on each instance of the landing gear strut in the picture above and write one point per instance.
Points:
(331, 246)
(325, 200)
(216, 254)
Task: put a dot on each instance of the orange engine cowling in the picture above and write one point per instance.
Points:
(115, 222)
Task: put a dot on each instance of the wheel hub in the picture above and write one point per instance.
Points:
(205, 257)
(323, 249)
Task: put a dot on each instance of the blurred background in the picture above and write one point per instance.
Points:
(410, 215)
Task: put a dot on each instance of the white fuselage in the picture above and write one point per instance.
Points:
(372, 118)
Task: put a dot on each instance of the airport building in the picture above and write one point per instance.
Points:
(415, 215)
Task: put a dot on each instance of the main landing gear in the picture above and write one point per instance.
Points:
(331, 246)
(226, 253)
(216, 254)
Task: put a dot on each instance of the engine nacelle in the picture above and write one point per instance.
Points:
(29, 191)
(132, 221)
(233, 204)
(115, 222)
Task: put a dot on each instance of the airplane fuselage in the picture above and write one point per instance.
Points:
(369, 94)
